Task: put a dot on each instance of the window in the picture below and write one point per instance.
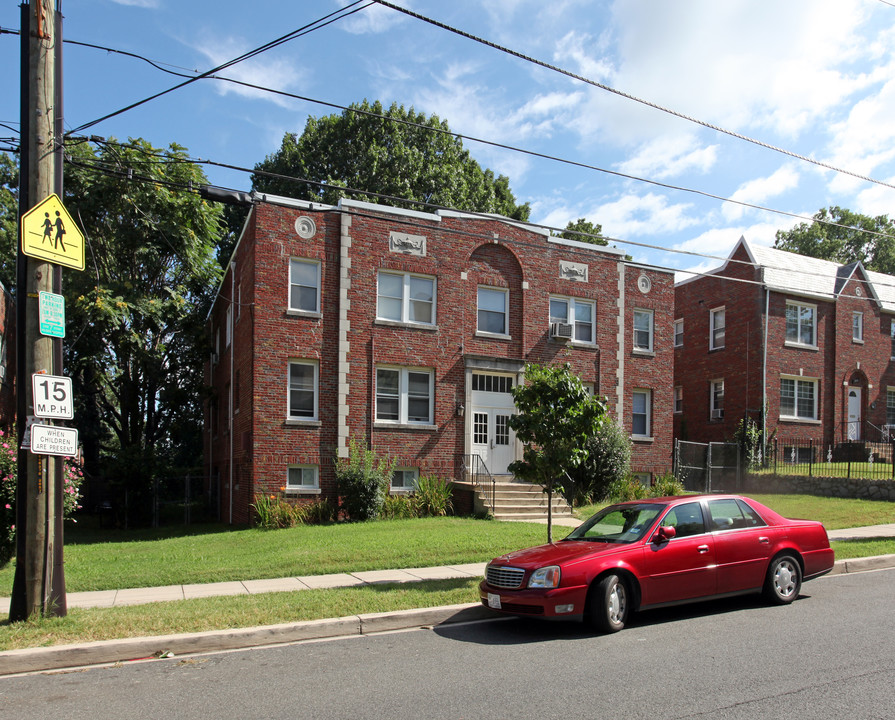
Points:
(404, 479)
(678, 399)
(640, 413)
(304, 285)
(798, 399)
(303, 390)
(717, 323)
(643, 330)
(228, 326)
(732, 514)
(686, 519)
(890, 406)
(857, 327)
(302, 478)
(678, 333)
(403, 297)
(404, 395)
(892, 333)
(716, 400)
(578, 313)
(492, 305)
(800, 324)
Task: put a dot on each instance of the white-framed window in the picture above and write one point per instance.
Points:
(801, 324)
(679, 333)
(716, 399)
(578, 313)
(798, 398)
(678, 399)
(890, 406)
(405, 395)
(493, 305)
(641, 411)
(643, 330)
(404, 479)
(302, 390)
(302, 478)
(857, 327)
(892, 334)
(717, 325)
(228, 326)
(404, 297)
(304, 285)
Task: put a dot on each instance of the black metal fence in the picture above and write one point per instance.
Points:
(814, 458)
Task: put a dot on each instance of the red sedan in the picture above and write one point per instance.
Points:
(663, 551)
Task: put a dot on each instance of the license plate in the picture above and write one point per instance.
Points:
(494, 601)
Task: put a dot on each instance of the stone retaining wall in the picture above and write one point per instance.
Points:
(824, 487)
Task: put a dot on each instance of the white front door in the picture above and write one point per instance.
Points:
(854, 413)
(491, 437)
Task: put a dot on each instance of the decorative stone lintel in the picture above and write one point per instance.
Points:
(399, 242)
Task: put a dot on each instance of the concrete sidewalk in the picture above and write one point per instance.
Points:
(166, 646)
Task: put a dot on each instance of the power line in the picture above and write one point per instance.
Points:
(628, 96)
(310, 27)
(123, 173)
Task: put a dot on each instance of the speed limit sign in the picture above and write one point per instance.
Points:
(52, 396)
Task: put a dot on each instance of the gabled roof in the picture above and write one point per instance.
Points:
(796, 274)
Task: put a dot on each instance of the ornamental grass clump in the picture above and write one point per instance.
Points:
(273, 511)
(433, 497)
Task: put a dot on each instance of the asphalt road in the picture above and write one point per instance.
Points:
(829, 655)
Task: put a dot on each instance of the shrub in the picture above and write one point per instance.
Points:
(627, 488)
(607, 464)
(272, 511)
(397, 507)
(667, 484)
(72, 477)
(433, 497)
(319, 512)
(362, 480)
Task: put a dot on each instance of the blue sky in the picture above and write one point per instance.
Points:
(813, 77)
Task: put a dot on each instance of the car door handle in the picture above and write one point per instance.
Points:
(703, 548)
(764, 540)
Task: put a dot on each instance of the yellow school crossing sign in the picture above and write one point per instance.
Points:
(49, 233)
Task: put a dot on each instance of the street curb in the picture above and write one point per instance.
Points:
(105, 652)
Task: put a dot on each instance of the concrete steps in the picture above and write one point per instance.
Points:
(517, 500)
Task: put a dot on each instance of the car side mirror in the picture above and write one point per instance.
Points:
(664, 533)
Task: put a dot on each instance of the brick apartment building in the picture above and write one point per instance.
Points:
(810, 340)
(407, 330)
(7, 359)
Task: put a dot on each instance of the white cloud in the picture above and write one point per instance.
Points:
(263, 70)
(760, 190)
(670, 156)
(150, 4)
(635, 216)
(372, 20)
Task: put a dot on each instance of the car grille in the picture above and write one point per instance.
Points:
(508, 578)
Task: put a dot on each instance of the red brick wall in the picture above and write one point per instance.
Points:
(462, 254)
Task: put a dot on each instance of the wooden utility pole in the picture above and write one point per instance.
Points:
(38, 588)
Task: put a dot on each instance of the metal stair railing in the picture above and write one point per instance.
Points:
(474, 465)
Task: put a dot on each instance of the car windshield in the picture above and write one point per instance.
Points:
(618, 523)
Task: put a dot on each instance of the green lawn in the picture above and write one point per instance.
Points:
(106, 559)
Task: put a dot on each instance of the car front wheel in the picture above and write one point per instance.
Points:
(608, 605)
(784, 580)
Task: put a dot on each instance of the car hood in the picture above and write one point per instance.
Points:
(557, 553)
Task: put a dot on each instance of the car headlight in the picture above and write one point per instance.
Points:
(545, 577)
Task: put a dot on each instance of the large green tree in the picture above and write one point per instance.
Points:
(555, 418)
(584, 230)
(9, 215)
(842, 236)
(402, 154)
(135, 343)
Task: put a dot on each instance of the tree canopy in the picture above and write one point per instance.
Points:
(556, 416)
(9, 220)
(135, 342)
(842, 236)
(401, 155)
(584, 230)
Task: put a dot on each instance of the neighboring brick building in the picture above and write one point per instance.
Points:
(810, 340)
(7, 359)
(408, 330)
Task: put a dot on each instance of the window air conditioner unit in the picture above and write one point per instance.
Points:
(562, 331)
(717, 414)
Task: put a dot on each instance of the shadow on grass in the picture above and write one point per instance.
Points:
(89, 531)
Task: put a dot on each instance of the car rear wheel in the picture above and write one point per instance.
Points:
(784, 580)
(608, 604)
